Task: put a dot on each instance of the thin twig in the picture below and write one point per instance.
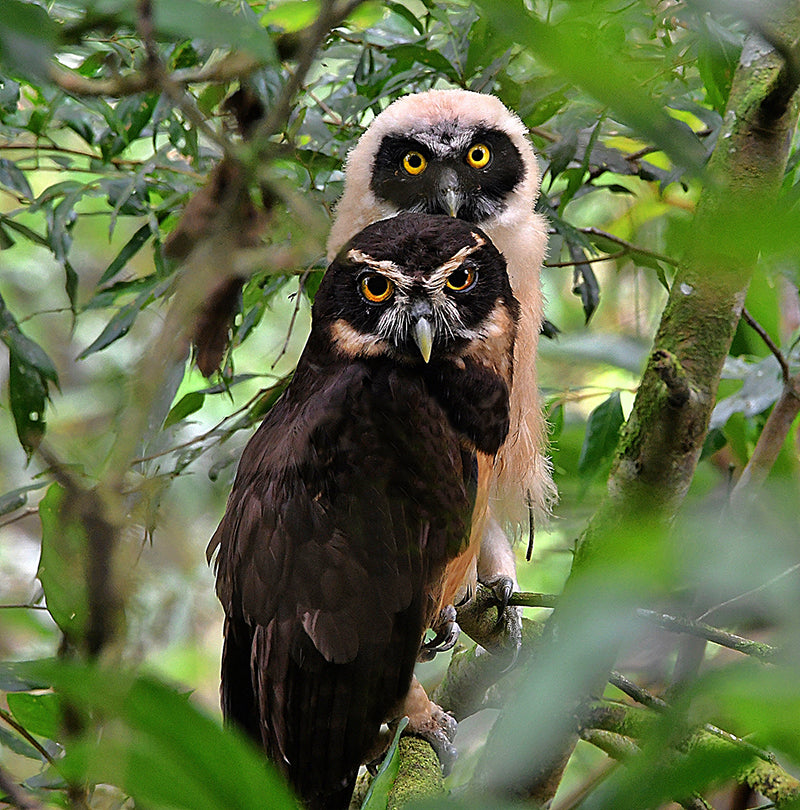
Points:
(15, 795)
(23, 732)
(590, 259)
(23, 606)
(21, 516)
(234, 66)
(763, 334)
(751, 592)
(679, 624)
(529, 599)
(636, 692)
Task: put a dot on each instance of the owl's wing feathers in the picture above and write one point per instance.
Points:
(320, 564)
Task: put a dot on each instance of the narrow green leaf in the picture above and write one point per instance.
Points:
(62, 564)
(31, 353)
(116, 328)
(187, 405)
(216, 25)
(37, 714)
(14, 178)
(17, 676)
(407, 15)
(160, 748)
(27, 393)
(378, 795)
(129, 250)
(602, 435)
(18, 745)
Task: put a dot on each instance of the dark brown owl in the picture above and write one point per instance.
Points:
(465, 154)
(355, 503)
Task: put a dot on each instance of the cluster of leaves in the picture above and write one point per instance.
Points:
(624, 102)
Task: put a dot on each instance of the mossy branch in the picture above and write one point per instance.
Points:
(616, 727)
(662, 440)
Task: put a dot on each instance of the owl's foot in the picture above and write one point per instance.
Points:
(446, 632)
(431, 723)
(492, 622)
(502, 587)
(438, 728)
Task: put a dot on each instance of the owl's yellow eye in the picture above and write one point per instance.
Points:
(414, 162)
(479, 155)
(461, 279)
(376, 288)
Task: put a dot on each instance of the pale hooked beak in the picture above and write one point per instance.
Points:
(450, 195)
(452, 202)
(423, 337)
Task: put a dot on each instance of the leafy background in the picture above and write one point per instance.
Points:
(624, 102)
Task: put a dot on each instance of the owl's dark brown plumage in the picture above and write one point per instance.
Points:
(358, 490)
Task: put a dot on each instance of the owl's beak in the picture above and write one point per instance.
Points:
(450, 195)
(423, 337)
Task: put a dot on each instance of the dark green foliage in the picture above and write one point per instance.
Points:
(624, 101)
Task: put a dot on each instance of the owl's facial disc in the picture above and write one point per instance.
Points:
(459, 171)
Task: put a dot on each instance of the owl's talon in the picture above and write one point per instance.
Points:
(447, 633)
(502, 588)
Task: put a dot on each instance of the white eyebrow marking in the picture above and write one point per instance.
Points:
(438, 277)
(384, 265)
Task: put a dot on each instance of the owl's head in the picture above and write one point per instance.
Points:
(416, 287)
(451, 152)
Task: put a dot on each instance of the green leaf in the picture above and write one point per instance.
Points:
(187, 405)
(27, 38)
(27, 393)
(602, 435)
(31, 353)
(62, 564)
(18, 745)
(16, 676)
(157, 746)
(14, 178)
(37, 714)
(116, 328)
(216, 25)
(715, 440)
(129, 250)
(576, 54)
(377, 797)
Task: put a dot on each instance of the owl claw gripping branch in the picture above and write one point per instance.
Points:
(360, 501)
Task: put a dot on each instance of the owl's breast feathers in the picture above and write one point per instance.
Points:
(349, 502)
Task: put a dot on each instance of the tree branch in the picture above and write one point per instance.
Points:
(15, 795)
(770, 343)
(678, 624)
(770, 442)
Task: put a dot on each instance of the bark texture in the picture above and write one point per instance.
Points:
(662, 440)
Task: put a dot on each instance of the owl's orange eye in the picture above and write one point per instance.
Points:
(479, 155)
(414, 162)
(376, 288)
(461, 279)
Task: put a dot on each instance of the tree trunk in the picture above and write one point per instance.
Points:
(661, 443)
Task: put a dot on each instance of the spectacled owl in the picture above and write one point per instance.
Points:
(465, 155)
(358, 491)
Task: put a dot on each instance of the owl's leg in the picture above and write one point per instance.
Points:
(430, 722)
(497, 570)
(497, 564)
